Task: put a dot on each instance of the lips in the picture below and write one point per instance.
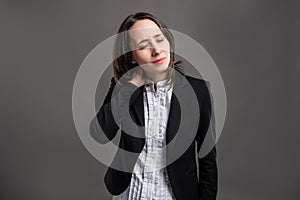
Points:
(159, 61)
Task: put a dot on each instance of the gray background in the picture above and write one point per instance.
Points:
(254, 43)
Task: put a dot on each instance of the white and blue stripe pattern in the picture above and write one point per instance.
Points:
(149, 180)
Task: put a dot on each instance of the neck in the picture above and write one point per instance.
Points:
(157, 77)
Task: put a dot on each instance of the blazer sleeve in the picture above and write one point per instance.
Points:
(105, 125)
(207, 165)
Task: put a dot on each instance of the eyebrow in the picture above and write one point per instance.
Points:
(145, 40)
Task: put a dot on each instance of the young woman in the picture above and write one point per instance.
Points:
(146, 100)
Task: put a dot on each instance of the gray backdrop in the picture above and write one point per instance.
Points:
(254, 43)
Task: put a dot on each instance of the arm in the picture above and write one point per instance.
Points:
(207, 165)
(104, 126)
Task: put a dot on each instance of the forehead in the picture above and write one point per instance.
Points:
(144, 23)
(143, 29)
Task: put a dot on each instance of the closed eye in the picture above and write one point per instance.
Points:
(146, 45)
(142, 47)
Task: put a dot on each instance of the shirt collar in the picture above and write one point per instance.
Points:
(160, 85)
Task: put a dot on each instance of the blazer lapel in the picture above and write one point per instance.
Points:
(173, 120)
(174, 113)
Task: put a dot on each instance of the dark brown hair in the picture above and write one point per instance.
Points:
(123, 56)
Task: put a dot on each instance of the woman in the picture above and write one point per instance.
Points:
(142, 91)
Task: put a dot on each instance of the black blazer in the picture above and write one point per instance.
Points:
(191, 177)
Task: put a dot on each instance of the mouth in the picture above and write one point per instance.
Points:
(159, 61)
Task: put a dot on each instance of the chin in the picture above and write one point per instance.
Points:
(161, 69)
(156, 68)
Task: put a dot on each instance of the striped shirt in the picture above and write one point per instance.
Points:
(149, 179)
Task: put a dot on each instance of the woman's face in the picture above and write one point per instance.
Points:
(151, 49)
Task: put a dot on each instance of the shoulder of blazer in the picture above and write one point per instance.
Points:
(200, 85)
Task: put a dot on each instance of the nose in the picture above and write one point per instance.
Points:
(156, 50)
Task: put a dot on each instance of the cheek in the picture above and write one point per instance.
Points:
(168, 58)
(166, 46)
(142, 56)
(167, 53)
